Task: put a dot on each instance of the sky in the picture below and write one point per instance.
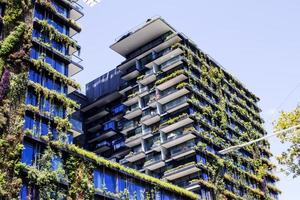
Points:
(257, 41)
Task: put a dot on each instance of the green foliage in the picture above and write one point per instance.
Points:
(291, 157)
(12, 40)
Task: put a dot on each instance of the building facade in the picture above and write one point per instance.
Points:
(38, 57)
(170, 109)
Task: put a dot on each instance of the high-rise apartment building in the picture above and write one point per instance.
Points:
(169, 108)
(38, 57)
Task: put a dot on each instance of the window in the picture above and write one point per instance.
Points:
(56, 163)
(34, 76)
(28, 154)
(121, 184)
(118, 109)
(98, 179)
(110, 182)
(201, 158)
(24, 193)
(31, 98)
(44, 128)
(109, 125)
(204, 176)
(28, 122)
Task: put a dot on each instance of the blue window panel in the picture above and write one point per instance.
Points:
(54, 134)
(24, 192)
(109, 125)
(28, 122)
(56, 163)
(204, 176)
(118, 109)
(37, 125)
(98, 179)
(49, 60)
(121, 184)
(31, 98)
(34, 54)
(48, 83)
(70, 138)
(34, 76)
(60, 9)
(45, 106)
(28, 154)
(201, 159)
(110, 182)
(166, 196)
(44, 128)
(38, 14)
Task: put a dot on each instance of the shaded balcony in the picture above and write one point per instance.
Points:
(178, 137)
(154, 162)
(180, 171)
(149, 77)
(172, 63)
(176, 122)
(179, 76)
(102, 146)
(129, 125)
(165, 55)
(134, 138)
(150, 116)
(175, 105)
(182, 150)
(133, 111)
(130, 73)
(172, 93)
(136, 155)
(108, 129)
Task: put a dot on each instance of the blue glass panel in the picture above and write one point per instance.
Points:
(44, 128)
(204, 176)
(56, 162)
(110, 182)
(121, 184)
(28, 122)
(24, 192)
(70, 138)
(98, 179)
(28, 154)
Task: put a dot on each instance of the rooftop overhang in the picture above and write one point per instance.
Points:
(140, 36)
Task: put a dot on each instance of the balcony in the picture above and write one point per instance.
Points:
(149, 77)
(172, 63)
(176, 123)
(154, 163)
(180, 171)
(132, 99)
(97, 115)
(175, 78)
(164, 56)
(150, 117)
(134, 156)
(102, 146)
(134, 140)
(129, 125)
(172, 93)
(178, 137)
(175, 105)
(133, 112)
(130, 73)
(103, 134)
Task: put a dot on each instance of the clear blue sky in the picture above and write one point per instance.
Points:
(257, 41)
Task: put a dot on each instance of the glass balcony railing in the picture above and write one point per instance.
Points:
(153, 159)
(175, 103)
(170, 62)
(130, 124)
(182, 148)
(133, 108)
